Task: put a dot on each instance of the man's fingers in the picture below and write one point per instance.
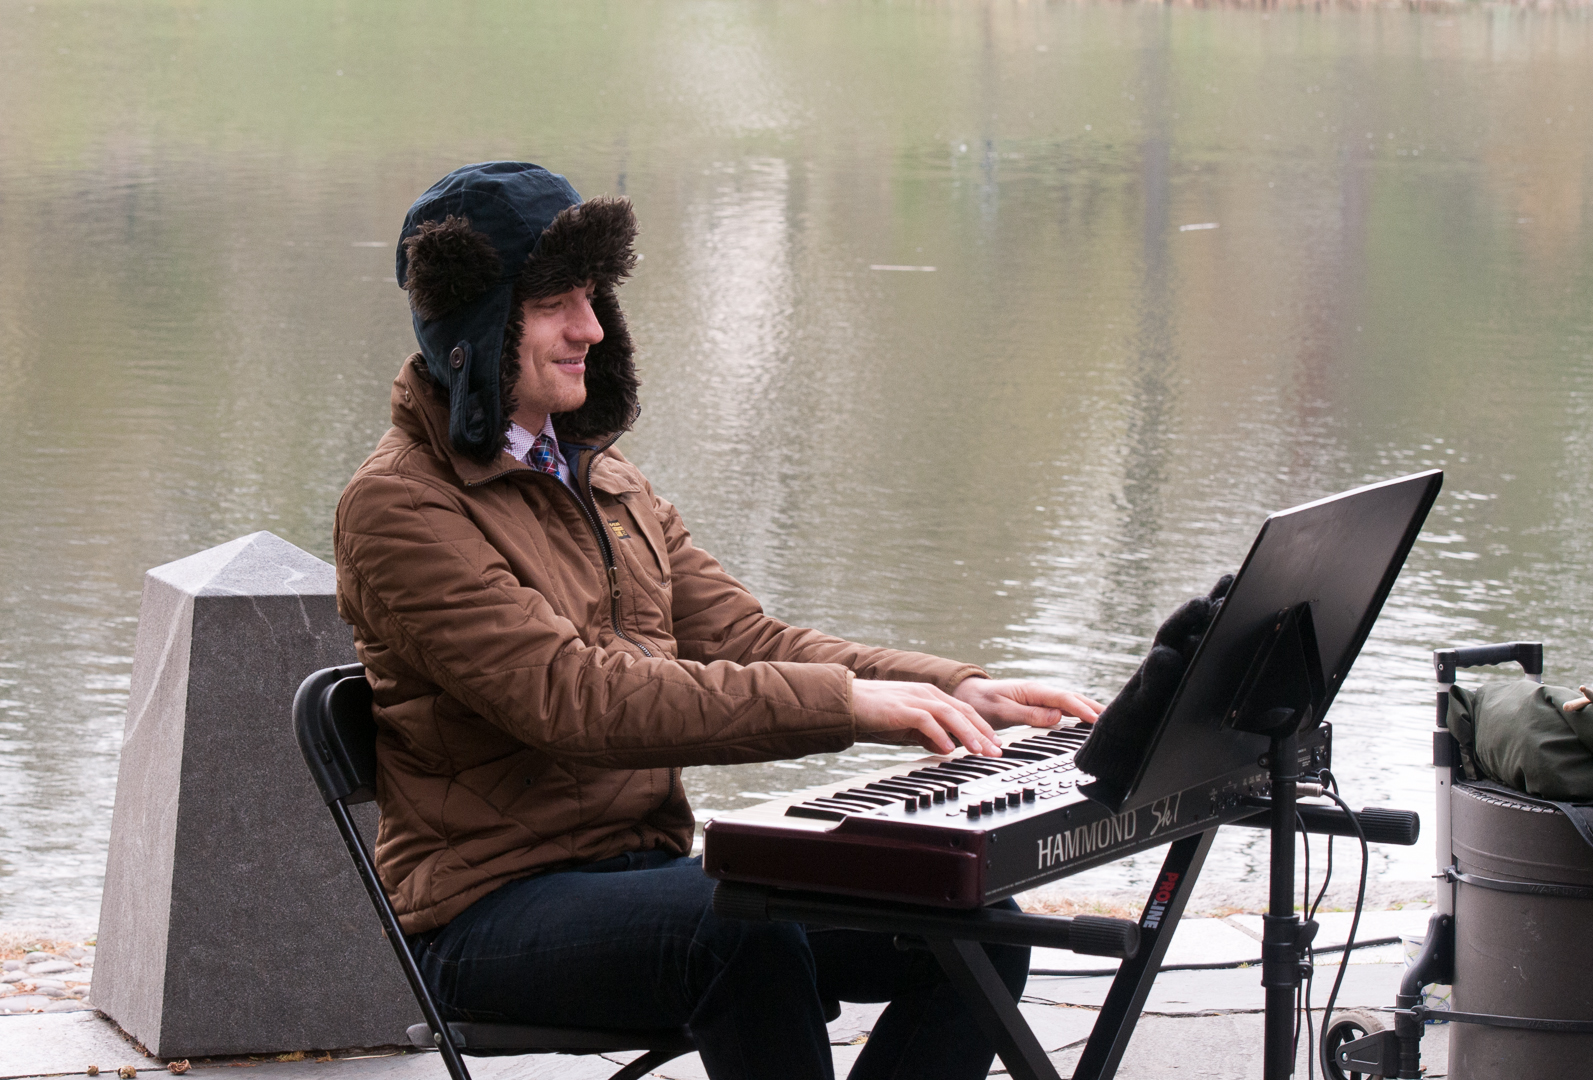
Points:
(1067, 702)
(922, 713)
(971, 730)
(940, 696)
(1012, 713)
(933, 736)
(971, 718)
(1086, 709)
(943, 723)
(1037, 704)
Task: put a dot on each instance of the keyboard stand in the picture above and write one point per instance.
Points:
(1135, 977)
(954, 936)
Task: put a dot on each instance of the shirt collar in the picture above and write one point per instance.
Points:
(520, 441)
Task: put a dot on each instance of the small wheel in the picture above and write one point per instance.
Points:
(1347, 1026)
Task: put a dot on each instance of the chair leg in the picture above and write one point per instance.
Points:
(395, 938)
(646, 1063)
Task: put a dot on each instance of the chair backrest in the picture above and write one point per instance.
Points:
(332, 719)
(337, 735)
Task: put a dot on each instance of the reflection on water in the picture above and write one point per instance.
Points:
(1024, 457)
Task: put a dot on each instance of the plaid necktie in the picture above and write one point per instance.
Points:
(543, 455)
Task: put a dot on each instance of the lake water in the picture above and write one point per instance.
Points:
(1189, 266)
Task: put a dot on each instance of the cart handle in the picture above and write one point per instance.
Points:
(1529, 654)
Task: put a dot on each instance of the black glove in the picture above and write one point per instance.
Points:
(1113, 751)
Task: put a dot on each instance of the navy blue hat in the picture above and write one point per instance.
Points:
(464, 244)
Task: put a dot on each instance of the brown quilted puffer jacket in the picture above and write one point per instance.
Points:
(544, 664)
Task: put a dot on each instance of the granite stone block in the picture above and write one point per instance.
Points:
(233, 921)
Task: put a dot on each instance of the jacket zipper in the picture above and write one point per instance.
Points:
(611, 571)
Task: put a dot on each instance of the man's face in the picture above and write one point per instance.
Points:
(554, 338)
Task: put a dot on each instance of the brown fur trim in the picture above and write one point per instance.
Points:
(611, 384)
(451, 266)
(589, 242)
(586, 243)
(611, 403)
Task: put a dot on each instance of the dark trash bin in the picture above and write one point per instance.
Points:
(1518, 953)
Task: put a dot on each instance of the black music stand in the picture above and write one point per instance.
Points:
(1267, 670)
(1265, 673)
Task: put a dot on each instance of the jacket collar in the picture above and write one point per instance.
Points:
(418, 413)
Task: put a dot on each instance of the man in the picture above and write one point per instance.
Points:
(548, 648)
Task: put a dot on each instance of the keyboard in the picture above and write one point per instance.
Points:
(963, 831)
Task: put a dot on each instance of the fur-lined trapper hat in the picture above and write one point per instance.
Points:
(483, 240)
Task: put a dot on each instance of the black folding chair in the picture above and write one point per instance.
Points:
(332, 719)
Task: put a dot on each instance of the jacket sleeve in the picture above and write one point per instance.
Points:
(417, 574)
(716, 619)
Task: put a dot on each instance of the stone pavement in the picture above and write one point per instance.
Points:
(47, 982)
(1196, 1023)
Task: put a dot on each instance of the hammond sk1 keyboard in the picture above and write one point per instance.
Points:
(962, 831)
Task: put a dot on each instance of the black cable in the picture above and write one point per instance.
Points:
(1327, 877)
(1310, 978)
(1331, 790)
(1222, 965)
(1310, 1028)
(1305, 901)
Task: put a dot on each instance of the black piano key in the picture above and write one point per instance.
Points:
(1064, 735)
(927, 792)
(909, 794)
(846, 799)
(842, 804)
(948, 780)
(947, 786)
(865, 796)
(898, 785)
(1012, 753)
(935, 776)
(814, 810)
(892, 793)
(923, 787)
(1040, 744)
(981, 769)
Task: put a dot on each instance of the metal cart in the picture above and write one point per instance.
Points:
(1509, 930)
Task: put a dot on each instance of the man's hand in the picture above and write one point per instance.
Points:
(1019, 702)
(915, 712)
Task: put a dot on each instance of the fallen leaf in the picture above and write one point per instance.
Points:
(127, 1072)
(324, 1058)
(177, 1068)
(297, 1055)
(93, 1070)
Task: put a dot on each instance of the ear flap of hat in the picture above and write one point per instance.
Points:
(473, 336)
(450, 266)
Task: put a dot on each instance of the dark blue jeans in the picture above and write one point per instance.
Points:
(633, 943)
